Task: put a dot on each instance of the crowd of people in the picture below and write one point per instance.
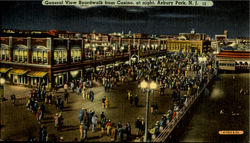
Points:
(170, 73)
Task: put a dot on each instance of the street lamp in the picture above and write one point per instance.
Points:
(105, 48)
(201, 61)
(148, 86)
(114, 48)
(94, 49)
(122, 48)
(156, 46)
(2, 82)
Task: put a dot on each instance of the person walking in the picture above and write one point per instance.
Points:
(108, 126)
(120, 134)
(56, 120)
(85, 131)
(65, 87)
(103, 124)
(91, 93)
(44, 134)
(60, 122)
(137, 126)
(84, 92)
(13, 98)
(114, 133)
(81, 131)
(103, 102)
(35, 107)
(66, 96)
(128, 131)
(129, 94)
(61, 104)
(80, 116)
(94, 122)
(39, 115)
(106, 102)
(131, 99)
(136, 100)
(72, 86)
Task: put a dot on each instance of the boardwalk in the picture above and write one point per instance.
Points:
(179, 115)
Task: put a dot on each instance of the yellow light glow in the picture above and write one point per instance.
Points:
(45, 54)
(153, 85)
(2, 81)
(144, 84)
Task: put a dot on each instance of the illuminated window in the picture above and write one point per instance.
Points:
(56, 56)
(34, 55)
(16, 55)
(25, 54)
(60, 56)
(45, 56)
(64, 56)
(75, 55)
(4, 54)
(39, 56)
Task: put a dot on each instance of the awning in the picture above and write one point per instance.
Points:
(4, 70)
(18, 71)
(37, 74)
(119, 62)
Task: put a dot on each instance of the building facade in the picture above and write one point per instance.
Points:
(234, 60)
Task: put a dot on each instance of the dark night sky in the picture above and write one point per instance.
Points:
(32, 15)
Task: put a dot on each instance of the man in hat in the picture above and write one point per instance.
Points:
(128, 131)
(81, 115)
(136, 100)
(137, 126)
(66, 96)
(44, 134)
(120, 133)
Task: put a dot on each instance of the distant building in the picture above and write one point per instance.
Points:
(185, 45)
(223, 37)
(233, 60)
(194, 36)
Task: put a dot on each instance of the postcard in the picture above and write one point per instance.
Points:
(124, 70)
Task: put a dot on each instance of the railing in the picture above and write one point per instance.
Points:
(179, 115)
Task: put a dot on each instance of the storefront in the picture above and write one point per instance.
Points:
(75, 75)
(88, 73)
(4, 73)
(36, 77)
(18, 76)
(60, 78)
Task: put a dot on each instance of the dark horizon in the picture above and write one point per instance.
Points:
(224, 15)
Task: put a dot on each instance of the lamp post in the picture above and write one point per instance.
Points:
(94, 49)
(2, 82)
(105, 48)
(148, 86)
(122, 48)
(114, 48)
